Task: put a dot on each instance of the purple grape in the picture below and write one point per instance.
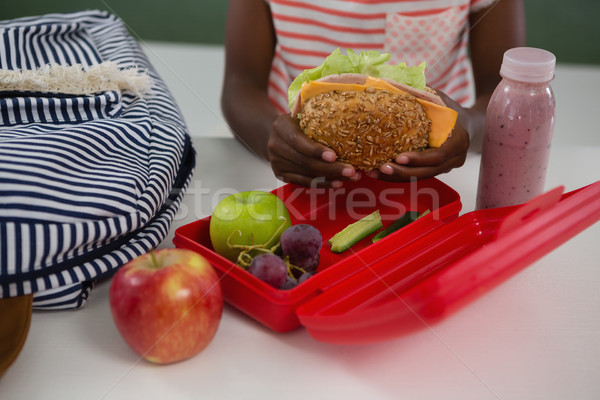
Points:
(304, 277)
(289, 283)
(269, 268)
(302, 243)
(311, 264)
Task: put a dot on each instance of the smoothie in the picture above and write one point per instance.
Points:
(516, 147)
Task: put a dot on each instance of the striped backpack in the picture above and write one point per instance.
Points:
(94, 155)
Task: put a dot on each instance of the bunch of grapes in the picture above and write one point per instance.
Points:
(300, 246)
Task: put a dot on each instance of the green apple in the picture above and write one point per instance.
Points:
(247, 219)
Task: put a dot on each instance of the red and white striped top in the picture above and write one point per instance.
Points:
(434, 31)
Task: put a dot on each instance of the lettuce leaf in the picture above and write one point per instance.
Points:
(370, 62)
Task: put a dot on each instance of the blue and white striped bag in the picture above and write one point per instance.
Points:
(94, 155)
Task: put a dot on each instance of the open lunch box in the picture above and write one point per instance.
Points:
(411, 278)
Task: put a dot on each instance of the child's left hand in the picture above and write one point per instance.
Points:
(432, 161)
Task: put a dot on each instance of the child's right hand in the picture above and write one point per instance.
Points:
(297, 159)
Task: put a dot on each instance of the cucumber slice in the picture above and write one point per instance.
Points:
(356, 231)
(405, 219)
(401, 222)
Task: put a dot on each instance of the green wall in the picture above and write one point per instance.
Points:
(570, 29)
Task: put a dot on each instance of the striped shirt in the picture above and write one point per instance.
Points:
(87, 182)
(412, 31)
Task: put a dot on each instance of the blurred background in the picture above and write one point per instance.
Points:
(569, 29)
(183, 40)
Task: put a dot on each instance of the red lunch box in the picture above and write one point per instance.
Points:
(411, 278)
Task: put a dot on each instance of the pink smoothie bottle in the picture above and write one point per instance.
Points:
(518, 130)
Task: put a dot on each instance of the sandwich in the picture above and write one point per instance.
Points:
(368, 111)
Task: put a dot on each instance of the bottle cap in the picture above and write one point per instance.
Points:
(528, 64)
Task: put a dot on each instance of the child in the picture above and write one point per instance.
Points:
(269, 42)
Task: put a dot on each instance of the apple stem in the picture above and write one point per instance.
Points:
(154, 260)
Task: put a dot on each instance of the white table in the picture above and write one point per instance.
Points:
(537, 336)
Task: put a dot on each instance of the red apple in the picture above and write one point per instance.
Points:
(167, 304)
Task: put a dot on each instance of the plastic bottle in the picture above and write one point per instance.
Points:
(518, 130)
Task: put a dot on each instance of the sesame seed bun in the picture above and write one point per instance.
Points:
(366, 128)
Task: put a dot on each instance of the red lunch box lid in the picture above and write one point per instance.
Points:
(423, 282)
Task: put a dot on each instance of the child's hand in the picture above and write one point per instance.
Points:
(429, 162)
(432, 161)
(297, 159)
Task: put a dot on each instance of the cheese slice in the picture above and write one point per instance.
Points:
(442, 118)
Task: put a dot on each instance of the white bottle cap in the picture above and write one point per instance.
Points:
(528, 64)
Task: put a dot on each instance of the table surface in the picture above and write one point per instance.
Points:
(536, 336)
